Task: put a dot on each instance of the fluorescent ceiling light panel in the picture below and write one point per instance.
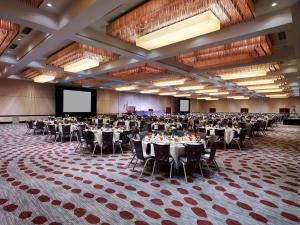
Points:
(43, 78)
(243, 74)
(169, 83)
(168, 93)
(277, 96)
(219, 93)
(263, 87)
(192, 27)
(126, 88)
(80, 65)
(239, 97)
(207, 91)
(150, 91)
(190, 88)
(269, 90)
(255, 82)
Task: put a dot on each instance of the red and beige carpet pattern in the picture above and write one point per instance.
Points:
(47, 183)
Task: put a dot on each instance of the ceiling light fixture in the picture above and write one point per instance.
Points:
(219, 93)
(263, 87)
(43, 78)
(244, 74)
(49, 4)
(277, 96)
(191, 88)
(255, 82)
(168, 93)
(192, 27)
(77, 57)
(149, 91)
(269, 90)
(274, 4)
(182, 95)
(126, 88)
(169, 83)
(238, 97)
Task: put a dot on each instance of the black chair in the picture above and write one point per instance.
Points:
(161, 127)
(140, 154)
(65, 131)
(80, 138)
(209, 158)
(132, 150)
(241, 139)
(30, 126)
(39, 126)
(107, 140)
(162, 157)
(52, 131)
(193, 155)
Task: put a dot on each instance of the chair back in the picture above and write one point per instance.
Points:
(121, 124)
(30, 124)
(161, 126)
(107, 139)
(202, 130)
(243, 134)
(80, 136)
(51, 128)
(125, 138)
(138, 149)
(213, 149)
(132, 124)
(162, 153)
(220, 133)
(194, 152)
(66, 128)
(90, 137)
(40, 125)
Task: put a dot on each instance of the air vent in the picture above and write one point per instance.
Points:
(282, 36)
(13, 46)
(26, 30)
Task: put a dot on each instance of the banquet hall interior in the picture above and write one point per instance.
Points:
(149, 112)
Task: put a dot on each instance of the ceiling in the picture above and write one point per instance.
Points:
(55, 24)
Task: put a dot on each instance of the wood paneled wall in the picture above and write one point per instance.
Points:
(26, 98)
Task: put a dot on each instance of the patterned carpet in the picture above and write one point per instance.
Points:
(46, 183)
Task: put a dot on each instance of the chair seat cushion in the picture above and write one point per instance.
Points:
(183, 159)
(206, 156)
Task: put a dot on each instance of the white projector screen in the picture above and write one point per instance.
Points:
(77, 101)
(184, 105)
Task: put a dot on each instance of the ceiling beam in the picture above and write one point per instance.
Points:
(78, 16)
(25, 15)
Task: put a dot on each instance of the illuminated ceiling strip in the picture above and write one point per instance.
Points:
(255, 82)
(207, 98)
(219, 93)
(192, 27)
(269, 90)
(182, 95)
(277, 96)
(238, 97)
(43, 78)
(244, 74)
(126, 88)
(169, 83)
(263, 87)
(168, 93)
(191, 88)
(81, 65)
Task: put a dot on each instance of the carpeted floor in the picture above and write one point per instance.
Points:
(46, 183)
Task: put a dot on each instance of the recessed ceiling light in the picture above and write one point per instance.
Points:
(49, 4)
(19, 39)
(274, 4)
